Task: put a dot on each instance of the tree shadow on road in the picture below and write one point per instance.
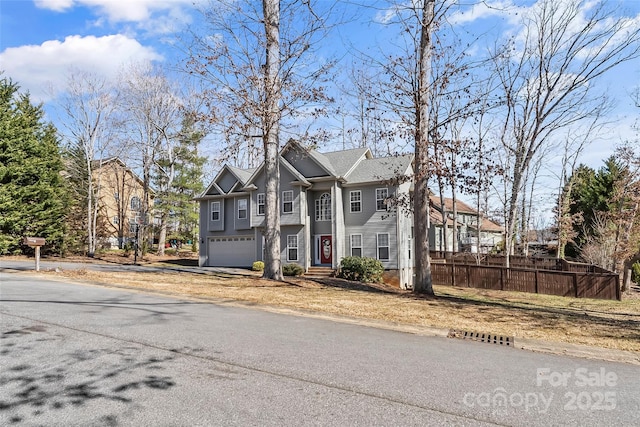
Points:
(36, 383)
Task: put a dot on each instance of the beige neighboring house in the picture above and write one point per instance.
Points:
(120, 203)
(470, 225)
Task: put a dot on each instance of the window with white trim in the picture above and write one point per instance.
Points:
(116, 220)
(383, 246)
(323, 207)
(260, 202)
(242, 208)
(355, 201)
(287, 201)
(135, 203)
(292, 247)
(381, 198)
(215, 211)
(356, 245)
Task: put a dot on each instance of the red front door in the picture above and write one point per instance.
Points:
(326, 249)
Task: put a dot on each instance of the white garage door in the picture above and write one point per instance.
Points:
(232, 251)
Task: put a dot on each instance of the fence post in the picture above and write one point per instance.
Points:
(453, 271)
(468, 267)
(575, 283)
(536, 281)
(453, 280)
(502, 269)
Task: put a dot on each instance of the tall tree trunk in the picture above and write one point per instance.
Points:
(271, 129)
(454, 236)
(91, 210)
(423, 282)
(162, 235)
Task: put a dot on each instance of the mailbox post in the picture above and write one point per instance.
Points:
(35, 242)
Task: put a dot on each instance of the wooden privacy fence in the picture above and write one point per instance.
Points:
(515, 261)
(578, 284)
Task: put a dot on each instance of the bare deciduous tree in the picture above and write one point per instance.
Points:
(153, 123)
(261, 70)
(423, 282)
(547, 77)
(90, 107)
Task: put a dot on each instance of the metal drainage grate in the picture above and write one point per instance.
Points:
(482, 337)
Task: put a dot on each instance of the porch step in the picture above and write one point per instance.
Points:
(319, 272)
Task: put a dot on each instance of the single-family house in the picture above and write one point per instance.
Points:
(120, 193)
(475, 232)
(332, 205)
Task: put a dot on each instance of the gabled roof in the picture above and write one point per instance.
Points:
(352, 166)
(379, 169)
(345, 161)
(319, 158)
(101, 163)
(488, 225)
(242, 176)
(461, 207)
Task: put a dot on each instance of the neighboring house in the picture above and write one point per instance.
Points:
(120, 201)
(542, 242)
(332, 205)
(491, 234)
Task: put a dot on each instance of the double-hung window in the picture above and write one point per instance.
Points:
(287, 201)
(356, 245)
(260, 203)
(135, 203)
(292, 247)
(383, 246)
(355, 199)
(215, 211)
(323, 207)
(242, 208)
(381, 198)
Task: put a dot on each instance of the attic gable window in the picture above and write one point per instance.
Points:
(381, 198)
(323, 207)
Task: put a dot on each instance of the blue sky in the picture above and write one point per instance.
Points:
(41, 39)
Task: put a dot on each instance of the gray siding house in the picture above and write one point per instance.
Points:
(332, 205)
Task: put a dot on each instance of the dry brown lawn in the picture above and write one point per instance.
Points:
(599, 323)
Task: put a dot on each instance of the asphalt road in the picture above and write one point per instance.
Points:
(85, 355)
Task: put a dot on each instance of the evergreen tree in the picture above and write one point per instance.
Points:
(591, 196)
(176, 202)
(33, 195)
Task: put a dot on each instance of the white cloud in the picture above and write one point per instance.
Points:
(57, 5)
(483, 10)
(42, 69)
(118, 11)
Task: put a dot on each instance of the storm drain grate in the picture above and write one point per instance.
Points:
(482, 337)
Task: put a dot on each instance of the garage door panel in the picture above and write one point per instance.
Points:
(232, 251)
